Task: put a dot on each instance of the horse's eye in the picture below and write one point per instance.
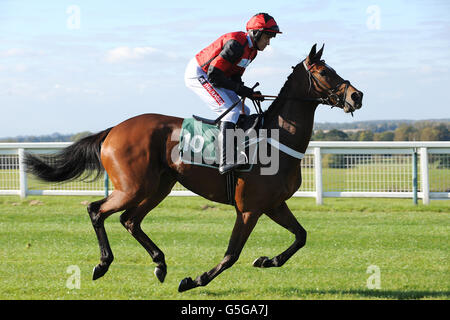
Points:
(324, 72)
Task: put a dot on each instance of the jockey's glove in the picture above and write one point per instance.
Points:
(257, 95)
(247, 92)
(244, 91)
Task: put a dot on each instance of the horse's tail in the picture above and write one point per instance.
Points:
(81, 157)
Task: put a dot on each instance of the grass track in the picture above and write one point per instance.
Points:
(40, 237)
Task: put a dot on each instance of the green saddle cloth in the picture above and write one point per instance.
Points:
(198, 143)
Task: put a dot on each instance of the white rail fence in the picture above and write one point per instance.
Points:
(417, 170)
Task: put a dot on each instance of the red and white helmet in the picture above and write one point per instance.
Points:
(262, 22)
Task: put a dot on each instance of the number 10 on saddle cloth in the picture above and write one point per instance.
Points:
(199, 145)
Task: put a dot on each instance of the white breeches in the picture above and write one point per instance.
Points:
(218, 99)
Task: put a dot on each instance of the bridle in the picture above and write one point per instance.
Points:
(332, 99)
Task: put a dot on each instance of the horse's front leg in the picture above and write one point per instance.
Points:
(284, 217)
(245, 222)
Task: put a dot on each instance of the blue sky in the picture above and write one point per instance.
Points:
(71, 66)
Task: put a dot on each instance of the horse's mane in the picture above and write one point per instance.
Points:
(283, 94)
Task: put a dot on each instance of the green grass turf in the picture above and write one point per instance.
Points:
(40, 237)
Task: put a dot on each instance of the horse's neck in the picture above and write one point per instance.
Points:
(296, 126)
(294, 118)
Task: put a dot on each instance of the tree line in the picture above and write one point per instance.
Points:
(418, 131)
(389, 130)
(55, 137)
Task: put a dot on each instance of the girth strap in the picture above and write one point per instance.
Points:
(231, 187)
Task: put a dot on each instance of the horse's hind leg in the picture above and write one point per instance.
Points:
(98, 212)
(285, 218)
(131, 219)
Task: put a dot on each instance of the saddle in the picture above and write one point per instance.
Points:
(253, 121)
(199, 145)
(199, 140)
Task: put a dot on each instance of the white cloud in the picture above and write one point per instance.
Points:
(13, 52)
(20, 52)
(21, 67)
(122, 54)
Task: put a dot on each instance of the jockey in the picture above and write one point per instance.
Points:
(215, 73)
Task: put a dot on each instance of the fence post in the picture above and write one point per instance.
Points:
(415, 176)
(318, 175)
(22, 174)
(424, 175)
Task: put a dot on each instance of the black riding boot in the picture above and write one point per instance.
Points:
(225, 166)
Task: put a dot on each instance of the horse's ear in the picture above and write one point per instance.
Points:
(312, 53)
(319, 53)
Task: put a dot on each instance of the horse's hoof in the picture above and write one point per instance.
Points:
(186, 284)
(160, 273)
(261, 262)
(99, 271)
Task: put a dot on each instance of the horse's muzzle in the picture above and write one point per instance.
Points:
(357, 97)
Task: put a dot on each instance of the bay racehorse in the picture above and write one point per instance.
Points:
(138, 156)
